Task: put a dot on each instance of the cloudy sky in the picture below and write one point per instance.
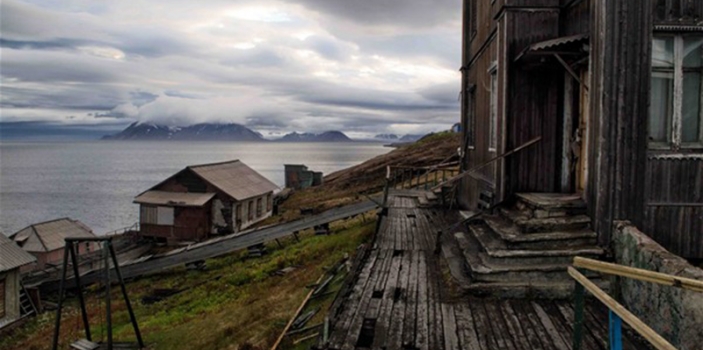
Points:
(360, 66)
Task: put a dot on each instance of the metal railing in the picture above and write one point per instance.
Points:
(617, 312)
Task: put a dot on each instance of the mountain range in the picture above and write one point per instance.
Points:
(215, 132)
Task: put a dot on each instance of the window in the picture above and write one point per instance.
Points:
(156, 215)
(251, 210)
(259, 207)
(269, 202)
(675, 117)
(493, 122)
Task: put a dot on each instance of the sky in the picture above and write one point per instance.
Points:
(360, 66)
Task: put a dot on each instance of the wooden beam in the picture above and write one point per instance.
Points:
(639, 274)
(297, 312)
(640, 327)
(571, 71)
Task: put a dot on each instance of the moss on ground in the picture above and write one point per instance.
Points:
(236, 303)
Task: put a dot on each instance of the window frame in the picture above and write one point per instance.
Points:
(493, 112)
(674, 122)
(3, 307)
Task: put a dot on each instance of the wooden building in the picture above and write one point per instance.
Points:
(298, 177)
(202, 200)
(46, 240)
(613, 88)
(12, 258)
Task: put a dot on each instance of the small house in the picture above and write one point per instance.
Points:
(202, 200)
(12, 257)
(299, 177)
(46, 240)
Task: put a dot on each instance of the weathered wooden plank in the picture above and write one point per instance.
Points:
(589, 341)
(343, 322)
(483, 328)
(435, 312)
(384, 318)
(451, 338)
(531, 314)
(557, 339)
(395, 335)
(357, 318)
(422, 333)
(518, 335)
(468, 339)
(528, 329)
(501, 333)
(410, 316)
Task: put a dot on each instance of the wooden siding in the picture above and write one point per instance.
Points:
(678, 12)
(674, 211)
(619, 89)
(189, 224)
(533, 106)
(576, 18)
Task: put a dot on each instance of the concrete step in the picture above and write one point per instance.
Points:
(530, 290)
(542, 225)
(547, 205)
(514, 239)
(497, 251)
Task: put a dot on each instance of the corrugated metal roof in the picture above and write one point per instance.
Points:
(50, 235)
(11, 255)
(548, 44)
(235, 179)
(181, 199)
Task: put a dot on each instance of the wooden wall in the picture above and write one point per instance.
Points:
(533, 106)
(678, 12)
(576, 17)
(619, 90)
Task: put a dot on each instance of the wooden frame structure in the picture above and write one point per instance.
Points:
(108, 254)
(619, 313)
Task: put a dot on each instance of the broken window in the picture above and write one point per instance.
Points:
(675, 116)
(259, 207)
(251, 210)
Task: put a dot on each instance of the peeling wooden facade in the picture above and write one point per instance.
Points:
(579, 74)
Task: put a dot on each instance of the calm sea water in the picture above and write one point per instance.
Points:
(95, 182)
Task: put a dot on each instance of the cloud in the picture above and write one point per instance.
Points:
(308, 65)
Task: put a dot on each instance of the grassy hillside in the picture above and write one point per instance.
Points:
(240, 302)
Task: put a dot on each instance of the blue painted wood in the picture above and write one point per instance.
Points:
(615, 331)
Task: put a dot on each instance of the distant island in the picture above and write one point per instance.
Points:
(214, 132)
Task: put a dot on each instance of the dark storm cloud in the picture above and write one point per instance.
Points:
(413, 13)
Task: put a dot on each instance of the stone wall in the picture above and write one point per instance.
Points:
(674, 313)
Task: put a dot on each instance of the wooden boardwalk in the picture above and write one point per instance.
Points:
(401, 299)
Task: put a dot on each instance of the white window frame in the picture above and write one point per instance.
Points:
(674, 139)
(493, 118)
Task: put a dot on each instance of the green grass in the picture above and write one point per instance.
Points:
(237, 303)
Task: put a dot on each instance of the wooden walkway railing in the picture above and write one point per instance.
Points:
(619, 313)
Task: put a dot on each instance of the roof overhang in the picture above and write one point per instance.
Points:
(174, 199)
(571, 48)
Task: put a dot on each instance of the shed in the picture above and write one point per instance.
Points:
(202, 200)
(46, 240)
(12, 257)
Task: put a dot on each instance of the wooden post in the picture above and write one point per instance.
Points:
(108, 307)
(579, 292)
(435, 178)
(81, 300)
(62, 290)
(132, 318)
(385, 189)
